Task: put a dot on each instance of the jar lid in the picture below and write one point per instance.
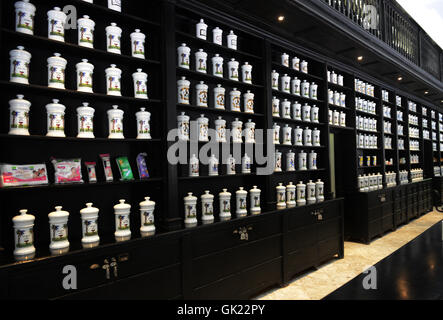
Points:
(20, 101)
(147, 203)
(113, 68)
(20, 52)
(183, 116)
(190, 197)
(24, 217)
(56, 13)
(56, 105)
(116, 110)
(58, 213)
(25, 4)
(113, 27)
(241, 190)
(57, 58)
(255, 189)
(89, 209)
(85, 64)
(207, 196)
(122, 206)
(86, 108)
(225, 193)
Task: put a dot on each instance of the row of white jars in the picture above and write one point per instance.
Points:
(400, 115)
(295, 86)
(398, 101)
(337, 118)
(302, 137)
(400, 130)
(426, 134)
(295, 111)
(371, 161)
(401, 144)
(367, 124)
(416, 175)
(415, 159)
(365, 141)
(299, 195)
(335, 78)
(388, 143)
(336, 98)
(225, 214)
(214, 165)
(201, 32)
(364, 88)
(404, 177)
(391, 179)
(20, 110)
(364, 105)
(414, 132)
(385, 95)
(370, 182)
(295, 63)
(412, 106)
(413, 120)
(219, 94)
(58, 227)
(414, 145)
(387, 127)
(424, 111)
(306, 161)
(19, 73)
(387, 112)
(424, 123)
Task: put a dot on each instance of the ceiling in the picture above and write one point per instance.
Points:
(311, 32)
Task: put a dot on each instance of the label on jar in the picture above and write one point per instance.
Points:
(141, 87)
(19, 120)
(138, 47)
(56, 75)
(57, 28)
(86, 124)
(85, 79)
(208, 209)
(235, 103)
(114, 42)
(144, 127)
(116, 125)
(24, 20)
(123, 222)
(184, 94)
(202, 97)
(191, 211)
(86, 35)
(24, 238)
(249, 105)
(148, 218)
(220, 100)
(19, 69)
(59, 232)
(114, 84)
(56, 122)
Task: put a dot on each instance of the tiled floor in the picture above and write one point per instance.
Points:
(358, 257)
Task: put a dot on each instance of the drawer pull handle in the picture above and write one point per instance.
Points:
(114, 265)
(123, 258)
(243, 232)
(94, 267)
(107, 268)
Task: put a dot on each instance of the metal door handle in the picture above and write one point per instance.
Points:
(114, 265)
(107, 268)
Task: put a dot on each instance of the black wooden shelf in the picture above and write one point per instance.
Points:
(299, 147)
(224, 176)
(86, 52)
(290, 71)
(295, 97)
(367, 114)
(215, 47)
(78, 140)
(303, 123)
(67, 92)
(341, 128)
(219, 111)
(339, 108)
(298, 172)
(365, 96)
(198, 76)
(338, 87)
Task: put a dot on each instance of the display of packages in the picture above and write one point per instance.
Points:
(142, 167)
(23, 175)
(106, 160)
(92, 172)
(67, 170)
(125, 169)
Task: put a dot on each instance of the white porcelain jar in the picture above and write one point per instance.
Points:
(230, 166)
(254, 194)
(287, 135)
(217, 36)
(334, 77)
(340, 80)
(306, 113)
(183, 87)
(20, 61)
(286, 83)
(274, 79)
(276, 129)
(225, 205)
(89, 217)
(297, 111)
(343, 100)
(302, 161)
(233, 67)
(319, 191)
(115, 5)
(330, 117)
(207, 201)
(278, 161)
(296, 63)
(301, 194)
(316, 137)
(336, 118)
(337, 99)
(290, 161)
(201, 94)
(56, 71)
(138, 42)
(342, 119)
(310, 193)
(147, 208)
(298, 136)
(291, 195)
(86, 32)
(281, 196)
(194, 166)
(296, 86)
(56, 119)
(56, 24)
(140, 79)
(115, 121)
(217, 66)
(201, 31)
(250, 132)
(143, 124)
(305, 88)
(24, 17)
(315, 114)
(285, 60)
(286, 109)
(220, 128)
(183, 127)
(312, 161)
(275, 107)
(241, 201)
(307, 137)
(201, 61)
(213, 166)
(24, 236)
(58, 230)
(313, 91)
(247, 73)
(203, 128)
(219, 97)
(85, 71)
(304, 66)
(113, 38)
(184, 56)
(232, 40)
(246, 164)
(235, 97)
(248, 102)
(113, 80)
(19, 116)
(85, 120)
(237, 131)
(122, 212)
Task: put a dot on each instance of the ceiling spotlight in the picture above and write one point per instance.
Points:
(360, 58)
(400, 78)
(426, 92)
(281, 18)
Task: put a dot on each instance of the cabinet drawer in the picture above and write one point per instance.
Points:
(377, 198)
(224, 236)
(301, 260)
(300, 218)
(374, 213)
(328, 229)
(374, 228)
(301, 238)
(328, 248)
(209, 268)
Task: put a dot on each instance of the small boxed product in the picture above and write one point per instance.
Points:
(23, 175)
(67, 171)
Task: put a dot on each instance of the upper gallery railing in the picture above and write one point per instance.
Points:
(386, 20)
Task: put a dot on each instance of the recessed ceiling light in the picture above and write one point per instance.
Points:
(281, 18)
(400, 78)
(426, 92)
(360, 58)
